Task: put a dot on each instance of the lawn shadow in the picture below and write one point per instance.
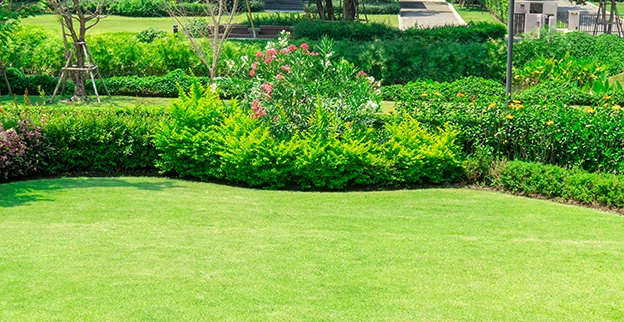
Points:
(23, 192)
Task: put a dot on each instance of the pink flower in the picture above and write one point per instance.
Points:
(271, 52)
(259, 54)
(292, 48)
(305, 47)
(286, 68)
(269, 58)
(267, 87)
(252, 73)
(254, 66)
(283, 51)
(275, 118)
(362, 73)
(279, 76)
(314, 53)
(255, 106)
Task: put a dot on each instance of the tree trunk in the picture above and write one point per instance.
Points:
(329, 6)
(349, 10)
(79, 77)
(320, 9)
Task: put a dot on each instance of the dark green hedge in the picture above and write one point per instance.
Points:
(557, 182)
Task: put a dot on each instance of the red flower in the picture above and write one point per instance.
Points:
(292, 48)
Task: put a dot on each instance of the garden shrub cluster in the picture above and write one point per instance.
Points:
(71, 139)
(473, 32)
(306, 123)
(557, 182)
(555, 133)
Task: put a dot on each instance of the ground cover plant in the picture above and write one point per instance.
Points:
(153, 248)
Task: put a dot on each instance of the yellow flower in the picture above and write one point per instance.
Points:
(590, 110)
(492, 105)
(460, 94)
(424, 94)
(437, 94)
(616, 107)
(550, 122)
(509, 116)
(607, 97)
(516, 101)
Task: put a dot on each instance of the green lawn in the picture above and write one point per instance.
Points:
(476, 15)
(129, 249)
(131, 24)
(120, 101)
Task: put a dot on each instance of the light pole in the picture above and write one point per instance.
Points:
(509, 48)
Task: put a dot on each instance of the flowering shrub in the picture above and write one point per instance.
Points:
(292, 81)
(23, 150)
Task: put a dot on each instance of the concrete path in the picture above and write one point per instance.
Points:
(427, 13)
(563, 6)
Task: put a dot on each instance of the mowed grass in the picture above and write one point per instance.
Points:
(129, 249)
(132, 24)
(475, 15)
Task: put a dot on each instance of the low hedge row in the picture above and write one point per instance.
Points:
(78, 139)
(556, 182)
(471, 33)
(155, 8)
(391, 8)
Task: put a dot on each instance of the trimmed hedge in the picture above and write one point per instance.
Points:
(392, 8)
(91, 139)
(339, 30)
(556, 182)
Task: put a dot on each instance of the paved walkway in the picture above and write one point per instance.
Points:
(563, 6)
(427, 13)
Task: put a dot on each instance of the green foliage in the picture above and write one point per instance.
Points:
(552, 181)
(473, 32)
(86, 139)
(205, 140)
(579, 70)
(150, 34)
(155, 8)
(390, 8)
(465, 90)
(552, 133)
(339, 30)
(291, 82)
(277, 19)
(569, 93)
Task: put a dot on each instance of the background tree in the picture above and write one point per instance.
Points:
(207, 40)
(76, 20)
(10, 13)
(328, 8)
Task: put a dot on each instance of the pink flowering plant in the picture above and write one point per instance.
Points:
(291, 82)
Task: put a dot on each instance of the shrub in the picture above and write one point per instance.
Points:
(390, 8)
(206, 140)
(24, 150)
(338, 30)
(87, 139)
(291, 82)
(569, 69)
(149, 35)
(473, 32)
(552, 181)
(553, 133)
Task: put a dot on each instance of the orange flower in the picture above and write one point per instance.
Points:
(460, 94)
